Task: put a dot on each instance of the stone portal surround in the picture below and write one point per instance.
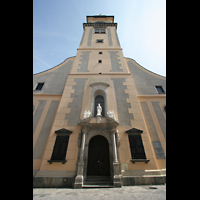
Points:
(88, 132)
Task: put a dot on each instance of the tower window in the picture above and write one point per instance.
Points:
(103, 30)
(100, 61)
(96, 30)
(39, 86)
(99, 41)
(160, 90)
(100, 52)
(99, 30)
(99, 99)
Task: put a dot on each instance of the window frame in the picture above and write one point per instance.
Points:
(136, 132)
(95, 30)
(160, 87)
(39, 86)
(100, 30)
(61, 134)
(99, 41)
(136, 144)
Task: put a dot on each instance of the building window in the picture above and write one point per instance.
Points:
(99, 41)
(100, 61)
(99, 30)
(160, 90)
(99, 99)
(100, 52)
(96, 30)
(103, 30)
(60, 146)
(136, 147)
(39, 86)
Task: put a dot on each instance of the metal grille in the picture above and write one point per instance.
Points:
(98, 157)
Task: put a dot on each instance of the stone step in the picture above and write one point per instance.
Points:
(97, 186)
(99, 178)
(99, 181)
(155, 172)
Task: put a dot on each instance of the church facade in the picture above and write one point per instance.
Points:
(99, 118)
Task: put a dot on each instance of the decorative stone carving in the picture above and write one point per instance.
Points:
(111, 114)
(113, 130)
(99, 110)
(86, 114)
(84, 130)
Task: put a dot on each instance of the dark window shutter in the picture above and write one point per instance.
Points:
(136, 146)
(60, 148)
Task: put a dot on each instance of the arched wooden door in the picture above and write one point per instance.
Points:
(98, 157)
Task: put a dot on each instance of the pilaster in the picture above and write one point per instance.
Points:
(80, 166)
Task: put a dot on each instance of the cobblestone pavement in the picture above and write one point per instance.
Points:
(147, 192)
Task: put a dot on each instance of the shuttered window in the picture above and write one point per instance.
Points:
(60, 148)
(136, 147)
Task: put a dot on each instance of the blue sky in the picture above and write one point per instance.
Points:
(57, 30)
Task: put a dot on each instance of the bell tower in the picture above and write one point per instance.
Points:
(99, 57)
(99, 51)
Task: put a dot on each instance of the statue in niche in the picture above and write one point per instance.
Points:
(99, 110)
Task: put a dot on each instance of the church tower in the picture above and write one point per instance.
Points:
(98, 117)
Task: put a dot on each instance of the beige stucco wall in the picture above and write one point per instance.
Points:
(124, 149)
(36, 99)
